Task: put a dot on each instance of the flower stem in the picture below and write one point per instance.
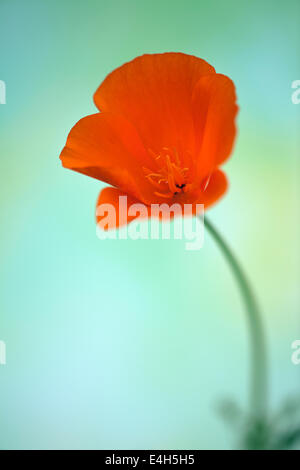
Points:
(258, 395)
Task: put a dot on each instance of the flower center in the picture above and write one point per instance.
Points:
(169, 178)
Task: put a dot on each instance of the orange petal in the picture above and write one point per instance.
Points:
(214, 109)
(107, 147)
(215, 189)
(154, 93)
(112, 209)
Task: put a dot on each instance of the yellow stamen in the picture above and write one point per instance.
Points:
(170, 174)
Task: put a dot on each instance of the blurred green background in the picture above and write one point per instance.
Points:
(132, 344)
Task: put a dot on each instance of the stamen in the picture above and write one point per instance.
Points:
(167, 195)
(170, 174)
(155, 183)
(152, 153)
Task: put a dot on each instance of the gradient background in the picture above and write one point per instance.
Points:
(132, 344)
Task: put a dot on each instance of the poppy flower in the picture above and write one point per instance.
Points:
(166, 125)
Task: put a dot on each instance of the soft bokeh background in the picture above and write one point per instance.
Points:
(132, 344)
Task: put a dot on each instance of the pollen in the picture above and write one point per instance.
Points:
(169, 177)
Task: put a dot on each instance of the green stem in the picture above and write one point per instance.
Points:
(258, 396)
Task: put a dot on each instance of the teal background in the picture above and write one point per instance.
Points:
(132, 344)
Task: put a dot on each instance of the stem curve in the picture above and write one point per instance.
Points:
(258, 394)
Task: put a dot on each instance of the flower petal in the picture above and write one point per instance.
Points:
(214, 110)
(215, 189)
(107, 147)
(111, 217)
(154, 92)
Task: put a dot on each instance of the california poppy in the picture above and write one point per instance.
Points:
(166, 125)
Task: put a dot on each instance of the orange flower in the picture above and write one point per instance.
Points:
(167, 123)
